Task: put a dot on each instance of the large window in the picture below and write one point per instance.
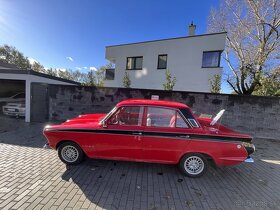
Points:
(162, 61)
(130, 115)
(110, 74)
(211, 59)
(134, 63)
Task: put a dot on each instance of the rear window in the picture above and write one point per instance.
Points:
(188, 115)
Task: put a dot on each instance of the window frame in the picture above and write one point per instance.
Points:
(165, 62)
(219, 61)
(106, 74)
(134, 66)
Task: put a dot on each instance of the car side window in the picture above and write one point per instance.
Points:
(160, 117)
(130, 115)
(180, 122)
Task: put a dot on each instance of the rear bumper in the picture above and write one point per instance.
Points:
(250, 149)
(249, 160)
(47, 146)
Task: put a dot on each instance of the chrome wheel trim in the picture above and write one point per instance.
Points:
(69, 153)
(194, 165)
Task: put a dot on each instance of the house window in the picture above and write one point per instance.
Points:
(162, 61)
(134, 63)
(110, 74)
(211, 59)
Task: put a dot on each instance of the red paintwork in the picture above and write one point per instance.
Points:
(148, 148)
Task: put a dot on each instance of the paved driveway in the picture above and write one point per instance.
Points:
(34, 178)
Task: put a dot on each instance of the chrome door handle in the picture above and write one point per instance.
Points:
(137, 133)
(185, 136)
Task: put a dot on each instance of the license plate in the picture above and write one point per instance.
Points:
(11, 110)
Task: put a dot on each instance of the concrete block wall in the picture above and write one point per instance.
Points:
(258, 116)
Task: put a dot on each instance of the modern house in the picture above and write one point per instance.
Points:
(192, 59)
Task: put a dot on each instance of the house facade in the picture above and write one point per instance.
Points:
(193, 60)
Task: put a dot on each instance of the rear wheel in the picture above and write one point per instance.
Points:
(70, 153)
(193, 165)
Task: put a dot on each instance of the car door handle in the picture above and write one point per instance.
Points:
(137, 133)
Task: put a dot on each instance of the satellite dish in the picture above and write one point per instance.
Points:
(217, 117)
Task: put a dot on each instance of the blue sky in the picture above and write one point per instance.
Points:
(49, 31)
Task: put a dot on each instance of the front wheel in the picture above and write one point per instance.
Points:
(70, 153)
(193, 165)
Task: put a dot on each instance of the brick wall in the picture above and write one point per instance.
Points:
(259, 116)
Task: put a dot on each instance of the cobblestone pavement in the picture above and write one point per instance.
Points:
(34, 178)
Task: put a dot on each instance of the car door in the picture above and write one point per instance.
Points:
(121, 138)
(165, 135)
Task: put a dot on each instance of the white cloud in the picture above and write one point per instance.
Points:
(62, 69)
(93, 68)
(70, 58)
(32, 60)
(86, 68)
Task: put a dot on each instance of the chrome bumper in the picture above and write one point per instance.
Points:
(249, 160)
(46, 146)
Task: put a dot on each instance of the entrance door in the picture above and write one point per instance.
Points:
(39, 102)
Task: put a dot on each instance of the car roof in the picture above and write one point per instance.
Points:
(163, 103)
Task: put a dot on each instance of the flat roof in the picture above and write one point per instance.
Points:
(152, 103)
(158, 40)
(35, 73)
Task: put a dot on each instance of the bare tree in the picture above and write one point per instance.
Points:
(253, 39)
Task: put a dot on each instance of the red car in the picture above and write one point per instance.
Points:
(150, 131)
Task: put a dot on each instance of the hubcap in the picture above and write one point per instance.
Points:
(194, 165)
(69, 153)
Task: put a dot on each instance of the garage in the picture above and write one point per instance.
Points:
(23, 93)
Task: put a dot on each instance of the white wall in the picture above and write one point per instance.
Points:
(28, 80)
(184, 62)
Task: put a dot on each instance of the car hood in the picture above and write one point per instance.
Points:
(17, 105)
(88, 121)
(220, 129)
(87, 118)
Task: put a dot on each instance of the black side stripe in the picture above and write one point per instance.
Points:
(160, 134)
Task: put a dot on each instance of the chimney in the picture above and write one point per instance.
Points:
(192, 29)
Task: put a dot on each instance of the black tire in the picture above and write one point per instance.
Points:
(70, 153)
(199, 164)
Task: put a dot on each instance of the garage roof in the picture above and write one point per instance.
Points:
(11, 69)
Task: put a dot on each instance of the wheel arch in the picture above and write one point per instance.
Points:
(206, 155)
(63, 141)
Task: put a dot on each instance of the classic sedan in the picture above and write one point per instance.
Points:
(153, 131)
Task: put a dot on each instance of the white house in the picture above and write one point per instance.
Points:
(193, 60)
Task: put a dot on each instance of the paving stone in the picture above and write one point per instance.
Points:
(38, 180)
